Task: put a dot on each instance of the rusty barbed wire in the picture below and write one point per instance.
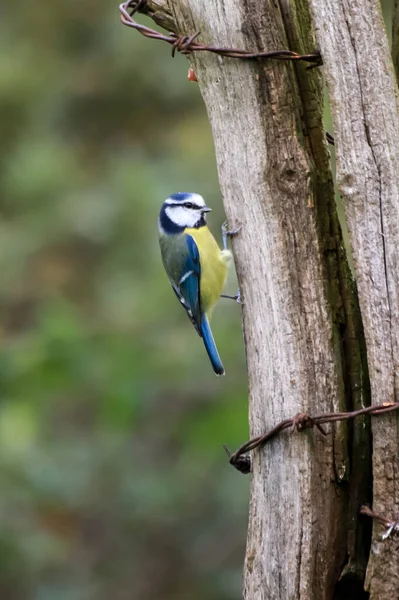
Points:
(330, 138)
(242, 462)
(187, 44)
(391, 527)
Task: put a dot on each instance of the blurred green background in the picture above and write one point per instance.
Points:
(114, 483)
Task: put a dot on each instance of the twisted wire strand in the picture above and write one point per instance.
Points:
(187, 44)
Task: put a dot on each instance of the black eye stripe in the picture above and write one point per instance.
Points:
(190, 205)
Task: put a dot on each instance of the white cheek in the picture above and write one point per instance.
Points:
(183, 217)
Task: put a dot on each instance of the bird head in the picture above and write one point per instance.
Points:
(182, 210)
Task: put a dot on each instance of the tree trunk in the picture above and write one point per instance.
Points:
(365, 114)
(302, 326)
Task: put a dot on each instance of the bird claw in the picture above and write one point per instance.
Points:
(225, 234)
(228, 233)
(237, 297)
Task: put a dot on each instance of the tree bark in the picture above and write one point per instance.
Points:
(302, 325)
(364, 109)
(296, 537)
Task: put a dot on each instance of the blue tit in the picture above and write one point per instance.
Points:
(194, 263)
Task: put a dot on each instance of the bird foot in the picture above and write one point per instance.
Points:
(237, 297)
(228, 233)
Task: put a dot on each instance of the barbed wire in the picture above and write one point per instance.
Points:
(330, 138)
(391, 527)
(242, 462)
(187, 44)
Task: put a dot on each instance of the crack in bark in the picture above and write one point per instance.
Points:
(349, 323)
(298, 587)
(378, 169)
(367, 163)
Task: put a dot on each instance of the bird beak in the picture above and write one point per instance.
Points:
(205, 209)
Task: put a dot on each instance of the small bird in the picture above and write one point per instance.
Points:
(194, 263)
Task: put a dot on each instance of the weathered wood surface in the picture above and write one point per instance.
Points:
(364, 107)
(160, 11)
(276, 183)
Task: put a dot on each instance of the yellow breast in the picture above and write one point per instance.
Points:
(213, 267)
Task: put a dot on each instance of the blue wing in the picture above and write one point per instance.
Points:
(188, 292)
(187, 288)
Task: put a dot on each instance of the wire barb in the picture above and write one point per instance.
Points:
(242, 464)
(302, 421)
(330, 138)
(391, 527)
(187, 44)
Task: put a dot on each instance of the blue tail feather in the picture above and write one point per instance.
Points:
(210, 346)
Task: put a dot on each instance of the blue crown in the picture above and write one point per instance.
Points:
(180, 196)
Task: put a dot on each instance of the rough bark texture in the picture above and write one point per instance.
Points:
(364, 107)
(302, 335)
(296, 542)
(342, 295)
(160, 11)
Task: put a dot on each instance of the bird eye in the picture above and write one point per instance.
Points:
(189, 205)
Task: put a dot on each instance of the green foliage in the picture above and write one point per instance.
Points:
(114, 482)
